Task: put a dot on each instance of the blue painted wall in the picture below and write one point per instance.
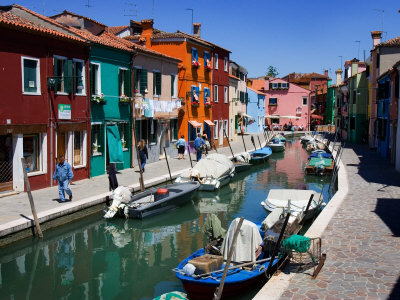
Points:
(256, 109)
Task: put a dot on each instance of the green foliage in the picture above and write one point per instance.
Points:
(272, 71)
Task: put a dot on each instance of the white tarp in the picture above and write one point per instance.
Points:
(298, 198)
(247, 242)
(213, 165)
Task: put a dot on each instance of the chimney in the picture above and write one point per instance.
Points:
(147, 30)
(196, 29)
(339, 76)
(376, 38)
(354, 66)
(326, 73)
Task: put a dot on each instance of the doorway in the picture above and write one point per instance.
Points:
(221, 132)
(61, 146)
(6, 165)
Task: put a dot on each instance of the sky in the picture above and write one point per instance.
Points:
(294, 35)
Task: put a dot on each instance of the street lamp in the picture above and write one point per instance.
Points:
(192, 18)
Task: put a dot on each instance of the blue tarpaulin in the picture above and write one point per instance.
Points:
(114, 144)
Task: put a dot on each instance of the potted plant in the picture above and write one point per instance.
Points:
(124, 99)
(207, 102)
(98, 99)
(195, 63)
(208, 64)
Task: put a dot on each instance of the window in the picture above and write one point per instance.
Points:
(225, 94)
(225, 64)
(31, 152)
(216, 129)
(273, 101)
(156, 83)
(284, 85)
(124, 83)
(216, 93)
(352, 123)
(242, 96)
(97, 137)
(30, 76)
(354, 97)
(95, 79)
(174, 86)
(216, 61)
(63, 72)
(207, 60)
(174, 129)
(146, 130)
(195, 95)
(226, 128)
(275, 121)
(207, 100)
(195, 57)
(194, 131)
(124, 133)
(78, 148)
(305, 100)
(274, 85)
(79, 77)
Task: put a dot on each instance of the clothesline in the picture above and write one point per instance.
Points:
(150, 107)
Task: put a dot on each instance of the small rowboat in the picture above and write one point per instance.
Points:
(260, 155)
(276, 145)
(320, 166)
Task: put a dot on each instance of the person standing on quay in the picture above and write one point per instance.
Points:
(63, 174)
(143, 154)
(181, 144)
(198, 145)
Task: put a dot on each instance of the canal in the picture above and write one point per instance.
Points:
(130, 259)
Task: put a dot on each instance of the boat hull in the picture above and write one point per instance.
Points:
(277, 147)
(241, 167)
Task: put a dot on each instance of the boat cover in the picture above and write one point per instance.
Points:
(213, 165)
(315, 160)
(212, 227)
(298, 198)
(247, 241)
(273, 218)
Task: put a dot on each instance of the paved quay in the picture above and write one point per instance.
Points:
(16, 215)
(362, 239)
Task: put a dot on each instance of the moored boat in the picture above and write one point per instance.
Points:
(306, 138)
(320, 166)
(242, 162)
(212, 172)
(276, 145)
(150, 202)
(260, 155)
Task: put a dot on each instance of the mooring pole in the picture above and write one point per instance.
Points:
(229, 144)
(190, 158)
(252, 141)
(141, 181)
(244, 143)
(28, 190)
(307, 208)
(218, 291)
(259, 141)
(169, 171)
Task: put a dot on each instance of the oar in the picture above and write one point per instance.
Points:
(169, 171)
(218, 291)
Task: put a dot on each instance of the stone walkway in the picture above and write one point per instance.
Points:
(362, 240)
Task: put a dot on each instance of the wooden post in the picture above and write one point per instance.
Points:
(28, 190)
(307, 208)
(218, 291)
(190, 158)
(278, 243)
(229, 144)
(141, 181)
(259, 141)
(244, 143)
(252, 141)
(169, 171)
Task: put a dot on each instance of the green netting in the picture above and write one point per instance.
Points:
(172, 296)
(298, 243)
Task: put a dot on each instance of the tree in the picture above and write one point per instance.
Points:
(272, 71)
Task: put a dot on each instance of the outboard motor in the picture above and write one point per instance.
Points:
(121, 197)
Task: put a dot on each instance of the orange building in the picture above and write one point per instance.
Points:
(194, 78)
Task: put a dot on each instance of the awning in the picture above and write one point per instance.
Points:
(316, 117)
(272, 116)
(247, 116)
(209, 122)
(114, 144)
(291, 117)
(195, 124)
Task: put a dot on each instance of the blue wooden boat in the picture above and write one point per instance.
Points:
(323, 155)
(260, 155)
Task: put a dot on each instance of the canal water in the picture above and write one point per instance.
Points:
(130, 259)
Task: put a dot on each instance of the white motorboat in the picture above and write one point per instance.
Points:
(306, 138)
(291, 199)
(212, 172)
(276, 145)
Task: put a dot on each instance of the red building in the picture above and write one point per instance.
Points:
(45, 109)
(220, 86)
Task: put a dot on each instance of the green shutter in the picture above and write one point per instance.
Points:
(154, 83)
(91, 75)
(158, 83)
(119, 82)
(55, 67)
(136, 80)
(143, 81)
(236, 122)
(127, 83)
(68, 76)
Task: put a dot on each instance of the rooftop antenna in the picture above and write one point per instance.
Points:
(88, 7)
(358, 51)
(192, 18)
(130, 12)
(44, 5)
(341, 61)
(381, 11)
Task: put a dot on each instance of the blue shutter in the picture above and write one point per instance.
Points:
(193, 90)
(197, 55)
(193, 55)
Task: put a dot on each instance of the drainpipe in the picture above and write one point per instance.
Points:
(48, 94)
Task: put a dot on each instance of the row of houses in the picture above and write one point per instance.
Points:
(364, 100)
(75, 87)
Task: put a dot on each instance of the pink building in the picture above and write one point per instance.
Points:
(284, 102)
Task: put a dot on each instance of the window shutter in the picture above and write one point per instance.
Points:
(154, 83)
(127, 83)
(136, 80)
(197, 92)
(68, 76)
(193, 91)
(247, 97)
(143, 81)
(55, 68)
(193, 56)
(91, 76)
(172, 85)
(158, 83)
(119, 82)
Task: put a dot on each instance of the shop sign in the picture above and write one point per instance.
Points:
(64, 111)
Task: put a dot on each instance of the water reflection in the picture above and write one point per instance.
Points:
(132, 259)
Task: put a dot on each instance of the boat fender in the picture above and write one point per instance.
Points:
(189, 269)
(162, 191)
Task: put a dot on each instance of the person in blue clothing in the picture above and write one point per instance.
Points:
(198, 145)
(63, 174)
(181, 144)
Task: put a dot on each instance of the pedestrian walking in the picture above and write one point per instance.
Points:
(181, 145)
(63, 174)
(112, 177)
(198, 146)
(143, 154)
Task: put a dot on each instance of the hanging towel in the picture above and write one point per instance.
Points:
(148, 113)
